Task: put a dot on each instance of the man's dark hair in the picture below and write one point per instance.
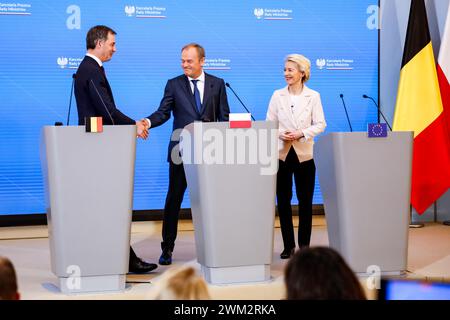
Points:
(321, 273)
(97, 33)
(8, 280)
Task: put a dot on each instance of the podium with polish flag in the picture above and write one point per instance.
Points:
(366, 188)
(89, 178)
(231, 175)
(240, 120)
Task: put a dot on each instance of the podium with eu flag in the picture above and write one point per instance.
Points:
(231, 175)
(88, 181)
(365, 181)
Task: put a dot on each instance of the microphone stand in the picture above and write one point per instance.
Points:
(379, 110)
(346, 113)
(70, 100)
(228, 85)
(214, 109)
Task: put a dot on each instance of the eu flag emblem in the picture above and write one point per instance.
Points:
(377, 130)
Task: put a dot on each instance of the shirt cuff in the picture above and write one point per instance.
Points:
(149, 122)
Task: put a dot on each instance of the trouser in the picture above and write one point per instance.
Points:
(175, 194)
(304, 174)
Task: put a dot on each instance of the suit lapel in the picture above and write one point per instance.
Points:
(206, 92)
(108, 87)
(298, 110)
(304, 104)
(188, 91)
(288, 110)
(102, 72)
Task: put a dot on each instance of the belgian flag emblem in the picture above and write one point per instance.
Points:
(94, 124)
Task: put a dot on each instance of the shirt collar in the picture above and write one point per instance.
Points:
(201, 78)
(100, 63)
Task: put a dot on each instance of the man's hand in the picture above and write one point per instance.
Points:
(142, 129)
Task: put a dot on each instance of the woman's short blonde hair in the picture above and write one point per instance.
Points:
(303, 64)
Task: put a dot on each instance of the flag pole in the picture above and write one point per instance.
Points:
(446, 222)
(435, 212)
(412, 224)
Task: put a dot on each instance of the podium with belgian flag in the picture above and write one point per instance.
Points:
(89, 180)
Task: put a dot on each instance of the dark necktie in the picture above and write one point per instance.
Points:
(198, 102)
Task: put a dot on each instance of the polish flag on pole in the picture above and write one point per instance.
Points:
(240, 120)
(443, 70)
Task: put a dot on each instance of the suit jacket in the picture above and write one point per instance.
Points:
(94, 96)
(308, 117)
(179, 100)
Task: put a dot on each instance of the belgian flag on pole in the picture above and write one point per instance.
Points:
(94, 124)
(419, 109)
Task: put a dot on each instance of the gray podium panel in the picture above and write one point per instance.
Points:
(366, 186)
(89, 197)
(232, 193)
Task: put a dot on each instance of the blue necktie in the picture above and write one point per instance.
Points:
(198, 102)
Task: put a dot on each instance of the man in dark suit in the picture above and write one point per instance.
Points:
(193, 96)
(94, 99)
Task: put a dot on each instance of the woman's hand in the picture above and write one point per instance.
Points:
(291, 135)
(286, 136)
(297, 134)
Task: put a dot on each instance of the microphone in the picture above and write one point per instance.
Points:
(346, 113)
(214, 107)
(228, 85)
(365, 96)
(70, 100)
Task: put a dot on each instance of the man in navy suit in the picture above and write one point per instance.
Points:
(95, 99)
(193, 96)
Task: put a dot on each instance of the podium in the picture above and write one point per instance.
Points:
(366, 186)
(231, 176)
(88, 181)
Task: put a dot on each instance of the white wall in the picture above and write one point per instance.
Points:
(393, 21)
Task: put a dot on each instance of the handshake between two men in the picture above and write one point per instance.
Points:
(142, 127)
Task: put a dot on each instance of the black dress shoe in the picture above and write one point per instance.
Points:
(287, 253)
(166, 257)
(139, 266)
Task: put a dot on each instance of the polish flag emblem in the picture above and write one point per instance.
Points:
(240, 120)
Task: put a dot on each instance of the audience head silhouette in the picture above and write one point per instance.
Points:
(320, 273)
(182, 283)
(8, 280)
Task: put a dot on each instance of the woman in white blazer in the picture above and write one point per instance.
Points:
(299, 112)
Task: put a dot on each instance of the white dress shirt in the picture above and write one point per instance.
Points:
(200, 85)
(100, 63)
(303, 112)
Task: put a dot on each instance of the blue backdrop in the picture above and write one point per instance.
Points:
(42, 43)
